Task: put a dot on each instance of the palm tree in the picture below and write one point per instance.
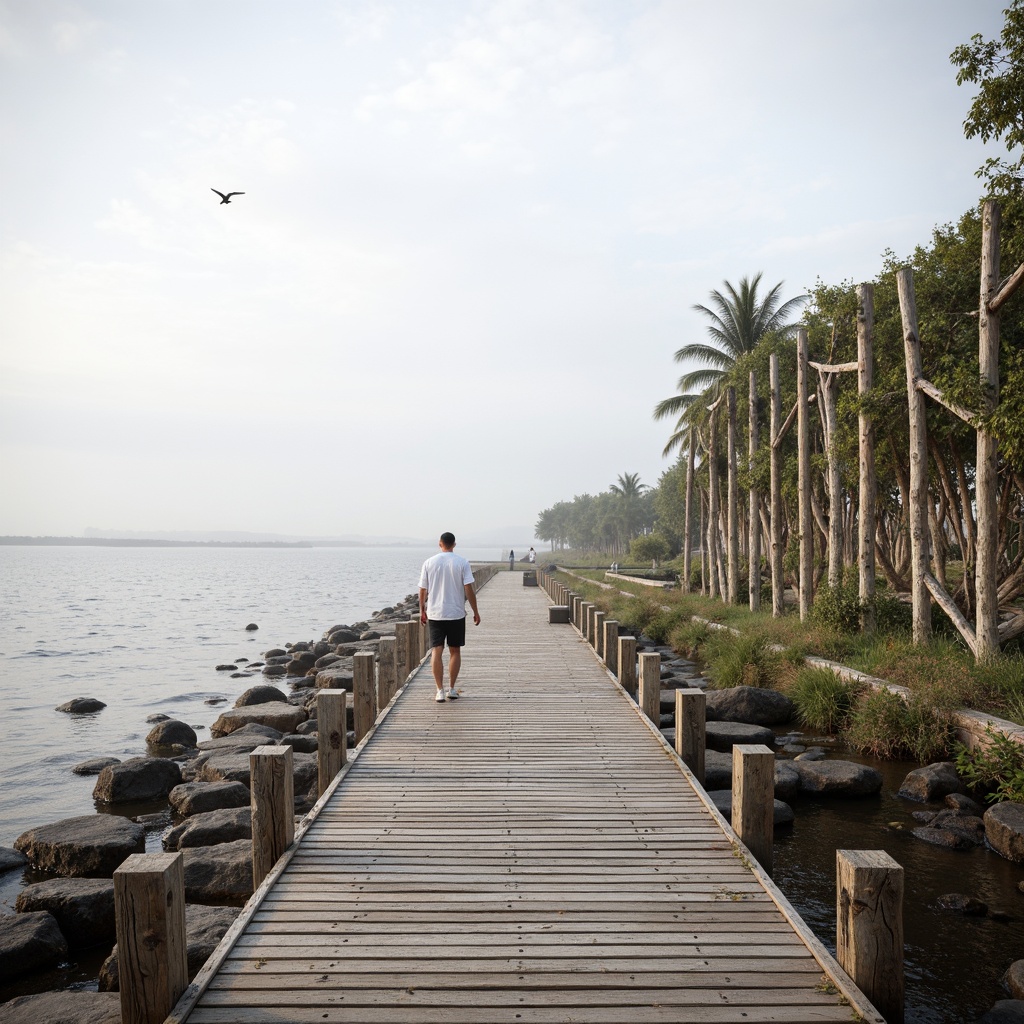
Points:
(629, 491)
(738, 321)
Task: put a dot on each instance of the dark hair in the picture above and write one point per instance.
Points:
(448, 540)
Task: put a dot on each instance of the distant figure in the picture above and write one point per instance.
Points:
(446, 584)
(532, 557)
(511, 560)
(226, 198)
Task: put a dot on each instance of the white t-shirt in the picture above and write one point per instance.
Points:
(444, 577)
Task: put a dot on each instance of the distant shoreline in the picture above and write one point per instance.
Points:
(132, 542)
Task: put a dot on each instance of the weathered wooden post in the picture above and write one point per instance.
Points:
(273, 807)
(732, 511)
(599, 618)
(803, 434)
(753, 799)
(364, 693)
(687, 541)
(627, 664)
(691, 718)
(332, 735)
(412, 647)
(649, 694)
(776, 487)
(588, 626)
(611, 646)
(149, 911)
(401, 651)
(918, 511)
(754, 502)
(387, 677)
(417, 643)
(869, 927)
(868, 484)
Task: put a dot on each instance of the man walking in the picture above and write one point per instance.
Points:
(446, 584)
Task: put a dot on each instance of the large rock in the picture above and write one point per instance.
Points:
(94, 765)
(202, 797)
(723, 736)
(91, 846)
(63, 1008)
(277, 714)
(136, 780)
(249, 737)
(166, 734)
(954, 830)
(342, 635)
(214, 874)
(838, 778)
(263, 694)
(204, 928)
(236, 768)
(212, 827)
(81, 706)
(932, 782)
(82, 907)
(1013, 979)
(334, 677)
(787, 780)
(717, 769)
(1006, 1011)
(28, 942)
(754, 705)
(11, 860)
(782, 813)
(1004, 830)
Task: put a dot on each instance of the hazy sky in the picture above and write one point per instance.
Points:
(469, 244)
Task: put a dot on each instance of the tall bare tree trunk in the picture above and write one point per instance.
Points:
(868, 483)
(713, 506)
(803, 428)
(778, 583)
(687, 543)
(732, 511)
(753, 502)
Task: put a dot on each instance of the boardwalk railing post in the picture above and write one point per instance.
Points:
(401, 647)
(869, 927)
(273, 808)
(649, 697)
(599, 634)
(627, 664)
(753, 799)
(364, 693)
(611, 645)
(586, 620)
(691, 718)
(387, 677)
(332, 734)
(149, 907)
(417, 642)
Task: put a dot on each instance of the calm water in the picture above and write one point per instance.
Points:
(142, 629)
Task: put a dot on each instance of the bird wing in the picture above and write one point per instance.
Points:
(221, 194)
(230, 194)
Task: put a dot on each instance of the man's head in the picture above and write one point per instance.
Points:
(447, 541)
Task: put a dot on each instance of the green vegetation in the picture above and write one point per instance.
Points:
(885, 725)
(824, 702)
(997, 771)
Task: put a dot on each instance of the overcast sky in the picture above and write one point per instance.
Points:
(469, 244)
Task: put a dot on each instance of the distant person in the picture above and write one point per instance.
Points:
(446, 584)
(511, 560)
(532, 557)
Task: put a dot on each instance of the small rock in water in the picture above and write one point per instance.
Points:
(241, 661)
(240, 675)
(81, 706)
(158, 717)
(11, 859)
(252, 627)
(958, 903)
(212, 700)
(226, 668)
(94, 765)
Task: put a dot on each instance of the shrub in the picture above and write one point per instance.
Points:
(838, 608)
(649, 547)
(823, 701)
(998, 769)
(744, 660)
(887, 726)
(689, 636)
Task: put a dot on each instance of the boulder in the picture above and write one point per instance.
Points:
(342, 635)
(1004, 830)
(251, 627)
(94, 765)
(958, 903)
(274, 670)
(369, 634)
(838, 778)
(723, 736)
(953, 830)
(137, 779)
(165, 734)
(157, 716)
(28, 942)
(811, 754)
(81, 706)
(221, 767)
(1013, 979)
(787, 780)
(210, 828)
(214, 874)
(326, 661)
(90, 846)
(11, 860)
(264, 694)
(754, 705)
(962, 802)
(202, 797)
(301, 744)
(301, 663)
(277, 714)
(72, 1007)
(932, 782)
(305, 728)
(1006, 1011)
(82, 907)
(722, 799)
(225, 668)
(322, 647)
(274, 652)
(717, 769)
(249, 737)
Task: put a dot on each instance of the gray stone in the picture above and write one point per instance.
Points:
(301, 663)
(962, 802)
(221, 767)
(259, 695)
(158, 716)
(201, 797)
(11, 860)
(82, 907)
(165, 734)
(28, 942)
(723, 736)
(94, 765)
(369, 634)
(343, 635)
(953, 830)
(214, 874)
(1006, 1011)
(210, 828)
(249, 737)
(137, 779)
(90, 846)
(274, 670)
(204, 928)
(717, 769)
(326, 660)
(73, 1007)
(304, 728)
(277, 714)
(754, 705)
(81, 706)
(335, 677)
(1004, 830)
(958, 903)
(251, 627)
(932, 782)
(304, 744)
(782, 813)
(274, 652)
(1013, 979)
(838, 778)
(812, 754)
(787, 780)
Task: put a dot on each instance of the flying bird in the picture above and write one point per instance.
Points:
(226, 198)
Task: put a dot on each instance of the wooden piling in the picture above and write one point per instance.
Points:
(273, 807)
(627, 664)
(599, 618)
(387, 677)
(869, 927)
(364, 693)
(649, 687)
(401, 652)
(753, 799)
(332, 735)
(691, 718)
(611, 646)
(149, 911)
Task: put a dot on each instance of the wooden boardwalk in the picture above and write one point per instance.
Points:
(530, 853)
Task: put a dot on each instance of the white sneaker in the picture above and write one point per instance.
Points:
(452, 695)
(440, 697)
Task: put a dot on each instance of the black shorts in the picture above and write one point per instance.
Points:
(452, 630)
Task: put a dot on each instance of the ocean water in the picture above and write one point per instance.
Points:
(142, 630)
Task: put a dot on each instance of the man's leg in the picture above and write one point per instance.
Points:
(437, 665)
(454, 664)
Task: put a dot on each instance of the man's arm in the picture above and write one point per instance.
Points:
(471, 598)
(423, 604)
